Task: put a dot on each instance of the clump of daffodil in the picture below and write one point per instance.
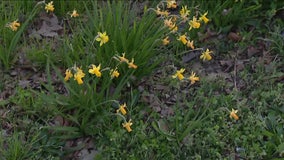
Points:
(102, 38)
(194, 23)
(96, 70)
(193, 78)
(183, 39)
(49, 7)
(14, 25)
(233, 114)
(171, 4)
(122, 109)
(127, 125)
(74, 13)
(204, 18)
(206, 55)
(68, 74)
(166, 41)
(114, 73)
(179, 74)
(184, 12)
(132, 65)
(79, 75)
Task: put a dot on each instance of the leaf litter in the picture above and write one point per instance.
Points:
(48, 27)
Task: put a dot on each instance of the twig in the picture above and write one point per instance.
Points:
(235, 70)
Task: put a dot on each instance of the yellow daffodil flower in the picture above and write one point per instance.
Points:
(102, 38)
(14, 25)
(68, 74)
(194, 23)
(169, 23)
(49, 7)
(79, 75)
(174, 28)
(206, 55)
(233, 114)
(183, 39)
(204, 18)
(184, 12)
(189, 44)
(127, 125)
(122, 109)
(171, 4)
(96, 70)
(114, 73)
(166, 41)
(122, 58)
(179, 74)
(131, 64)
(193, 78)
(174, 18)
(161, 13)
(74, 13)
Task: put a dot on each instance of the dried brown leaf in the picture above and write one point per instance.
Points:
(251, 51)
(24, 83)
(189, 56)
(50, 26)
(234, 36)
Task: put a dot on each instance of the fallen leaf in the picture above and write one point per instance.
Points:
(207, 35)
(234, 36)
(251, 51)
(190, 56)
(228, 64)
(163, 125)
(167, 111)
(50, 26)
(240, 66)
(24, 83)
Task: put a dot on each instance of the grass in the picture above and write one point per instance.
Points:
(43, 115)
